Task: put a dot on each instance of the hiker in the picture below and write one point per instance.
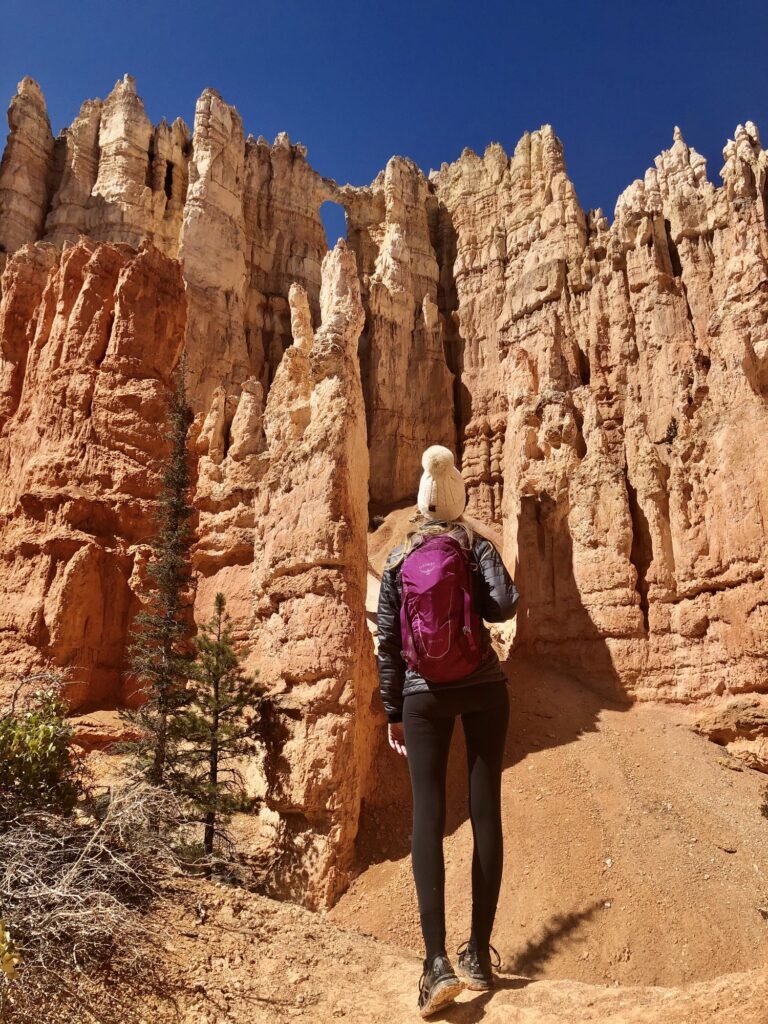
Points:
(435, 662)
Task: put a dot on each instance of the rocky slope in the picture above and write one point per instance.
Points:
(635, 851)
(255, 960)
(634, 890)
(604, 385)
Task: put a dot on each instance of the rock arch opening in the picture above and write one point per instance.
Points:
(334, 218)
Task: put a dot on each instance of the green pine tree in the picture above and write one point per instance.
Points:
(216, 727)
(160, 654)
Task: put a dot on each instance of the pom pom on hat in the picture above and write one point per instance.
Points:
(442, 494)
(437, 460)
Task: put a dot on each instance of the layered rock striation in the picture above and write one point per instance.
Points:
(604, 383)
(244, 218)
(310, 640)
(408, 385)
(605, 386)
(615, 381)
(89, 340)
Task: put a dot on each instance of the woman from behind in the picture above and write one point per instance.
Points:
(435, 663)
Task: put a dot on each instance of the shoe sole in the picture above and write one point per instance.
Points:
(444, 992)
(474, 984)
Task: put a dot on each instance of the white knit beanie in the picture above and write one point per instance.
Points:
(441, 488)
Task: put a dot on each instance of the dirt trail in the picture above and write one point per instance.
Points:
(635, 887)
(668, 932)
(682, 941)
(255, 961)
(633, 855)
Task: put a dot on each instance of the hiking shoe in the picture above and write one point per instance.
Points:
(438, 984)
(474, 966)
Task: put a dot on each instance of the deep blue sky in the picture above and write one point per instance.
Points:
(358, 82)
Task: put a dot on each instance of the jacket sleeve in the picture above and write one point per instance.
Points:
(391, 664)
(497, 592)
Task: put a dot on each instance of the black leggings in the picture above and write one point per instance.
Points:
(428, 720)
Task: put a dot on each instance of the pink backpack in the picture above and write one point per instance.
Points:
(441, 629)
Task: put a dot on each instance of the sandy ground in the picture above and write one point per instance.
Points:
(635, 886)
(635, 874)
(633, 853)
(253, 960)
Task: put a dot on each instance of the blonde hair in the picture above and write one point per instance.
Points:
(429, 528)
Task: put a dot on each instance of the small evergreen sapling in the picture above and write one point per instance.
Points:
(217, 725)
(159, 654)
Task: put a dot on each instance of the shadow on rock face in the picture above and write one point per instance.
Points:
(549, 707)
(552, 620)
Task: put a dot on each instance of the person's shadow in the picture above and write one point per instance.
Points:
(521, 971)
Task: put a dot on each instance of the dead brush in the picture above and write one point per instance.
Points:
(72, 891)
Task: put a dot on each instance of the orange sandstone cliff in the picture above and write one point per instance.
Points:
(604, 385)
(90, 338)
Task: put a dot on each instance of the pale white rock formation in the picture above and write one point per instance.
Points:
(118, 178)
(251, 228)
(212, 247)
(26, 169)
(408, 385)
(310, 640)
(77, 159)
(286, 244)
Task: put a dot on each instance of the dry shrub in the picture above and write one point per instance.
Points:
(72, 892)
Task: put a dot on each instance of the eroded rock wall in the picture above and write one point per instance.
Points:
(110, 175)
(251, 228)
(604, 384)
(26, 169)
(89, 339)
(232, 458)
(244, 217)
(615, 395)
(408, 385)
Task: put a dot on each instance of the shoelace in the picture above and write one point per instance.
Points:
(464, 947)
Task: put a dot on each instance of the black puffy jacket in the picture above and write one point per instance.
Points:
(496, 597)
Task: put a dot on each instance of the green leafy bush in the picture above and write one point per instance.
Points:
(37, 769)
